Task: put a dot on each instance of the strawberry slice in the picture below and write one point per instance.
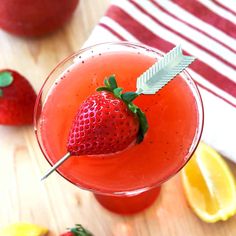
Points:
(106, 122)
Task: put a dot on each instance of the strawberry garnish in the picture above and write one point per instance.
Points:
(79, 230)
(106, 122)
(17, 99)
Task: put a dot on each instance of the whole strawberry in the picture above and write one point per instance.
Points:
(106, 122)
(77, 231)
(17, 99)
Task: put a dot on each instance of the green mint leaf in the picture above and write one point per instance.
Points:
(117, 92)
(1, 93)
(143, 125)
(5, 79)
(103, 89)
(129, 96)
(112, 82)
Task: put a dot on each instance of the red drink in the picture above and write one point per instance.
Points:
(34, 17)
(174, 115)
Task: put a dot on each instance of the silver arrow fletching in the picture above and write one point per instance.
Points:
(163, 71)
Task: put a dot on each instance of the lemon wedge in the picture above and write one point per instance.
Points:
(209, 185)
(23, 229)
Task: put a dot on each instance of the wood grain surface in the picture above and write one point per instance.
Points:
(55, 203)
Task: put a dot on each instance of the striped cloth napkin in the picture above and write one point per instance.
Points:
(205, 29)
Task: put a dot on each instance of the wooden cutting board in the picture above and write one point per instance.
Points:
(55, 203)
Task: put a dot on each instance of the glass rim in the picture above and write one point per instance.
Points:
(195, 142)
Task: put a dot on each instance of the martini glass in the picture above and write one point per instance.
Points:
(129, 181)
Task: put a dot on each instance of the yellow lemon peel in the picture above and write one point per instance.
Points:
(209, 185)
(23, 229)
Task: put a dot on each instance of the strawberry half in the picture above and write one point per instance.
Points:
(17, 99)
(77, 231)
(106, 122)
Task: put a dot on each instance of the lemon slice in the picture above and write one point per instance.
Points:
(23, 229)
(209, 185)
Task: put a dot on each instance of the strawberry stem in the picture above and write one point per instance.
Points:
(5, 80)
(128, 97)
(79, 230)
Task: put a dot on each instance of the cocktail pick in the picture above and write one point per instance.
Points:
(151, 81)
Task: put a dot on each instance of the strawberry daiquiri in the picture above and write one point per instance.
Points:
(125, 162)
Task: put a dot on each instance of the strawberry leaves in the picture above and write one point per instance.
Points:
(5, 80)
(143, 125)
(117, 92)
(79, 230)
(110, 84)
(128, 97)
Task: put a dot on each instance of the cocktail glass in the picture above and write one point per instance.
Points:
(129, 181)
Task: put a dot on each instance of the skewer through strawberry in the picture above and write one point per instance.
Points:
(106, 122)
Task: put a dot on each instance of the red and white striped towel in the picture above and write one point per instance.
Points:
(205, 29)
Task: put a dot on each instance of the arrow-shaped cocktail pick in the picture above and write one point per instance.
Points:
(151, 81)
(163, 71)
